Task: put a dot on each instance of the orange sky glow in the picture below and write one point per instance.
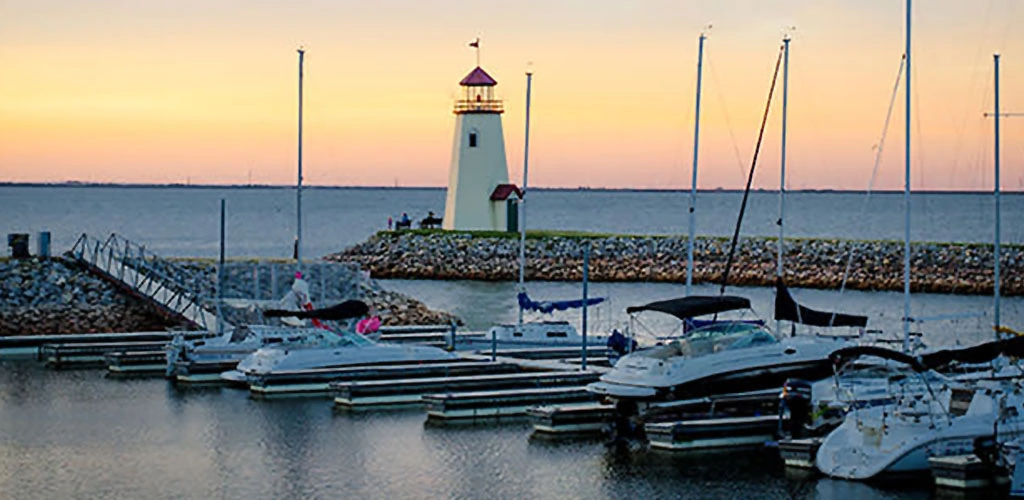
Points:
(205, 91)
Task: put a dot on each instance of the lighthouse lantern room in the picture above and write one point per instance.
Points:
(478, 167)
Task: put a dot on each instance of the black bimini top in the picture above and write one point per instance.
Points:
(981, 353)
(337, 312)
(787, 309)
(844, 355)
(694, 305)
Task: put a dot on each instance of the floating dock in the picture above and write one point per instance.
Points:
(594, 418)
(584, 419)
(494, 405)
(28, 347)
(410, 391)
(546, 353)
(320, 381)
(92, 354)
(189, 372)
(800, 453)
(136, 363)
(712, 433)
(966, 472)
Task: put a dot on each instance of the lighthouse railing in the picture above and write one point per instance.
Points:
(473, 106)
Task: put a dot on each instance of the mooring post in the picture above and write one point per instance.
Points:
(256, 281)
(494, 345)
(323, 283)
(273, 280)
(586, 277)
(451, 330)
(220, 270)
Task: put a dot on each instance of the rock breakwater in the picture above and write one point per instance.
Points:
(873, 265)
(53, 296)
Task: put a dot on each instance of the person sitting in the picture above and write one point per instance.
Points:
(431, 221)
(403, 222)
(620, 345)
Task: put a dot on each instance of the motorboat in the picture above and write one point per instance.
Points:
(902, 434)
(240, 341)
(721, 356)
(348, 348)
(352, 350)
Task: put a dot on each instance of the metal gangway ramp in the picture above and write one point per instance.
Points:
(143, 275)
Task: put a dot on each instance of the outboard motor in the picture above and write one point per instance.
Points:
(794, 408)
(627, 425)
(986, 449)
(175, 351)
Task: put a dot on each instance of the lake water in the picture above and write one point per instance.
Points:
(261, 221)
(77, 434)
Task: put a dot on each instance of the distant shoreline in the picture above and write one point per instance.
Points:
(75, 184)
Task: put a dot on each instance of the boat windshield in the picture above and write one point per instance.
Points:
(348, 338)
(726, 335)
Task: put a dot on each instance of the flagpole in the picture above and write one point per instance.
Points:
(298, 184)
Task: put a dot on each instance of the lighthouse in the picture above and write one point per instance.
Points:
(479, 195)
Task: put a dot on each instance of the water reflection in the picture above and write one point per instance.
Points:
(78, 434)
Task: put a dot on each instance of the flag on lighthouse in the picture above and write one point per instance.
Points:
(475, 43)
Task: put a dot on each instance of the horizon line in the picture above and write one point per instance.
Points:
(719, 189)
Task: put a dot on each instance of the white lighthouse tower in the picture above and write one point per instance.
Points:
(479, 194)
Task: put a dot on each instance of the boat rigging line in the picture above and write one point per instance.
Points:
(750, 175)
(874, 169)
(717, 86)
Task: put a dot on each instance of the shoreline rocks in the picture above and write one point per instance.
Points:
(874, 265)
(53, 296)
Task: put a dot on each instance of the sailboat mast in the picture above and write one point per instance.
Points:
(693, 179)
(522, 199)
(298, 185)
(996, 190)
(782, 164)
(906, 195)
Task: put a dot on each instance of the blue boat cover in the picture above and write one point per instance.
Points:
(549, 306)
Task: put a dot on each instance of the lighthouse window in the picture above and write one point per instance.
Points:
(472, 139)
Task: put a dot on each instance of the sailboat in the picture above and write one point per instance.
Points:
(901, 437)
(723, 355)
(943, 420)
(542, 333)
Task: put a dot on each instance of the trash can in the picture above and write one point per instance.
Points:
(43, 244)
(19, 245)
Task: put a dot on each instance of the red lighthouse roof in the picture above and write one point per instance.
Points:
(478, 78)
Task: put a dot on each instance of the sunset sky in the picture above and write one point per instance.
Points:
(205, 91)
